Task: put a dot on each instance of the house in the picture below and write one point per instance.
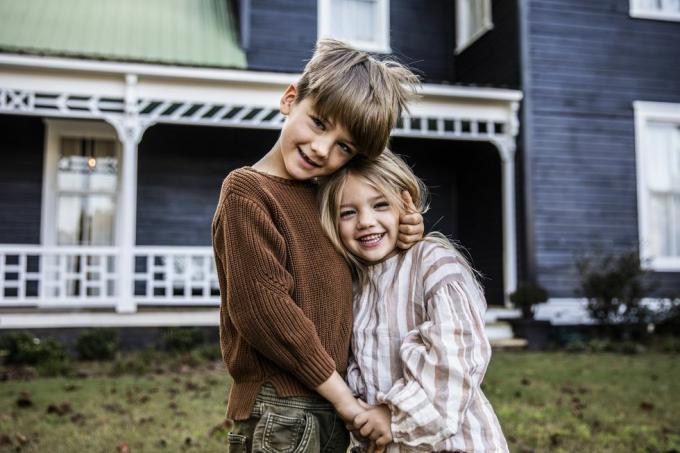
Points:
(120, 119)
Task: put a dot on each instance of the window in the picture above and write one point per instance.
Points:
(658, 169)
(473, 19)
(655, 9)
(363, 24)
(81, 184)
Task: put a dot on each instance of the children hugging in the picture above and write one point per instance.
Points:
(303, 354)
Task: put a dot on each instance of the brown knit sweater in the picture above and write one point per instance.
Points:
(286, 311)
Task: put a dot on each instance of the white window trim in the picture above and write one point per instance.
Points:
(54, 131)
(461, 44)
(644, 112)
(641, 13)
(382, 46)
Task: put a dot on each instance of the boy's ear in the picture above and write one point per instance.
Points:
(288, 99)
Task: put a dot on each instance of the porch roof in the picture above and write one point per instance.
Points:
(178, 32)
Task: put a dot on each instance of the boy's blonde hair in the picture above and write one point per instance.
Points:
(389, 175)
(362, 93)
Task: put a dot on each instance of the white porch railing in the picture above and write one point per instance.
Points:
(54, 277)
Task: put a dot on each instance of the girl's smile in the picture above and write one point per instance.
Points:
(368, 224)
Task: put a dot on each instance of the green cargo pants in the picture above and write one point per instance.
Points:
(289, 425)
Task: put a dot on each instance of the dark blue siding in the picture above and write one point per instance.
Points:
(283, 34)
(22, 152)
(181, 169)
(589, 61)
(494, 58)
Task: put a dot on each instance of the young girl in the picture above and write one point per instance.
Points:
(419, 347)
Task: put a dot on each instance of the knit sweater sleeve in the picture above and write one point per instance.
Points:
(259, 288)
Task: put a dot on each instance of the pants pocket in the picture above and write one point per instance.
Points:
(238, 443)
(286, 431)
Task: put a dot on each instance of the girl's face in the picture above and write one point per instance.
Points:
(368, 223)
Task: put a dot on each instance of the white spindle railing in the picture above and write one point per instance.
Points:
(175, 275)
(33, 275)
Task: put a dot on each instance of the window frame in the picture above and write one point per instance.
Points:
(464, 42)
(644, 113)
(55, 130)
(638, 12)
(382, 45)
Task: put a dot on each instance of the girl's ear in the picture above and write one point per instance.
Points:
(288, 99)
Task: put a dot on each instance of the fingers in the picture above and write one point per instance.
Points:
(363, 404)
(408, 201)
(410, 219)
(383, 440)
(360, 420)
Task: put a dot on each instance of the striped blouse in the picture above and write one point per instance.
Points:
(419, 346)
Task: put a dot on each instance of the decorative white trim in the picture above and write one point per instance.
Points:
(644, 112)
(208, 317)
(381, 46)
(639, 12)
(147, 70)
(46, 320)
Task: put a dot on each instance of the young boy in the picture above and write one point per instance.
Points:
(286, 311)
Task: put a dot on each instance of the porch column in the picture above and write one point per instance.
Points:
(506, 148)
(130, 130)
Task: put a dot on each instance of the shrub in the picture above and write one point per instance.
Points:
(22, 348)
(614, 286)
(527, 296)
(182, 339)
(98, 344)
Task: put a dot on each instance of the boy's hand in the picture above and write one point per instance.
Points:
(375, 425)
(411, 227)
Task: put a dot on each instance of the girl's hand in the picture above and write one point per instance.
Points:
(411, 227)
(376, 425)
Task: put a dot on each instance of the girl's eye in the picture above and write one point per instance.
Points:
(382, 204)
(346, 213)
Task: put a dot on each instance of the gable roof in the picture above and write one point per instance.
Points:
(177, 32)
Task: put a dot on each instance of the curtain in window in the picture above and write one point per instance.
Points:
(671, 6)
(662, 176)
(87, 180)
(354, 20)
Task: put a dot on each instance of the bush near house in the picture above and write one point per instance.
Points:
(97, 344)
(615, 285)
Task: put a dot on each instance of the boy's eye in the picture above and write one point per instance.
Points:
(346, 213)
(345, 148)
(318, 122)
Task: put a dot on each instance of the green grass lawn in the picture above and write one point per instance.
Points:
(545, 401)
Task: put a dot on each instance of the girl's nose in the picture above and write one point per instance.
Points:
(365, 220)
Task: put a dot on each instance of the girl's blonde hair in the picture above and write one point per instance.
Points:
(389, 175)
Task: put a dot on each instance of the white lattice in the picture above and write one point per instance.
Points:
(32, 275)
(171, 275)
(151, 111)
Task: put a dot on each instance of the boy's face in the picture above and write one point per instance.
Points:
(311, 146)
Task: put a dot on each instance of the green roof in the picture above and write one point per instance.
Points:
(178, 32)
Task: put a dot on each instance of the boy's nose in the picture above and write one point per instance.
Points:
(322, 147)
